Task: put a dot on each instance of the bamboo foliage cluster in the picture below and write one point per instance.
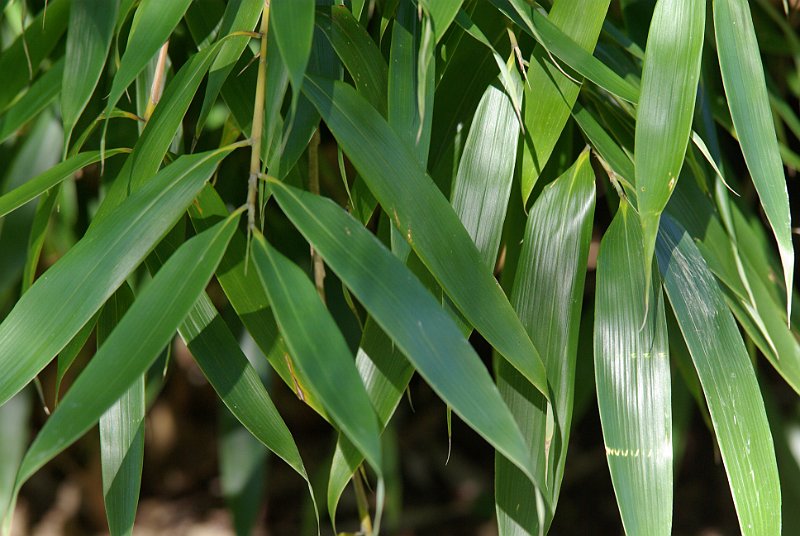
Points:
(423, 149)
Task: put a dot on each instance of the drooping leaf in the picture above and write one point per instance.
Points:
(318, 348)
(152, 25)
(34, 46)
(666, 107)
(93, 269)
(728, 381)
(159, 132)
(549, 93)
(140, 336)
(91, 27)
(227, 369)
(633, 380)
(293, 24)
(547, 296)
(50, 178)
(566, 49)
(410, 197)
(746, 92)
(409, 314)
(483, 183)
(121, 432)
(36, 99)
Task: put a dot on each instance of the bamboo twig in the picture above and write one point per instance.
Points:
(313, 187)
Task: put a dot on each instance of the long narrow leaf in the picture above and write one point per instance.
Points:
(319, 349)
(140, 336)
(633, 380)
(410, 197)
(152, 25)
(727, 378)
(664, 118)
(549, 93)
(93, 269)
(743, 77)
(91, 27)
(410, 315)
(547, 296)
(121, 432)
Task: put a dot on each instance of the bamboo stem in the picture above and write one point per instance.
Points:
(258, 122)
(362, 504)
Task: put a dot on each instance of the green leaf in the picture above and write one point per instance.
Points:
(403, 84)
(666, 107)
(441, 14)
(633, 379)
(409, 196)
(745, 88)
(409, 314)
(319, 349)
(227, 369)
(159, 131)
(239, 16)
(566, 49)
(39, 40)
(52, 177)
(358, 52)
(14, 428)
(152, 25)
(36, 99)
(549, 93)
(727, 378)
(293, 24)
(140, 336)
(91, 28)
(121, 431)
(244, 290)
(93, 269)
(483, 183)
(547, 296)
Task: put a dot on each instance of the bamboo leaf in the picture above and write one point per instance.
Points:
(93, 269)
(547, 293)
(38, 42)
(549, 93)
(36, 99)
(745, 88)
(227, 369)
(441, 14)
(664, 118)
(91, 28)
(358, 52)
(727, 378)
(50, 178)
(410, 197)
(566, 49)
(152, 25)
(140, 336)
(318, 349)
(409, 314)
(293, 24)
(239, 16)
(159, 131)
(121, 431)
(633, 380)
(483, 183)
